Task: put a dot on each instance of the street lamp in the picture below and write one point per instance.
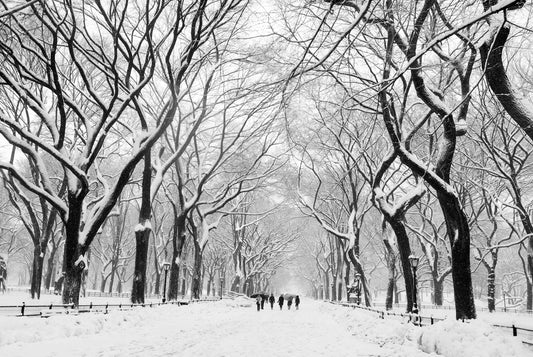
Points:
(166, 268)
(358, 287)
(414, 264)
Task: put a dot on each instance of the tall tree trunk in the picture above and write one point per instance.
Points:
(184, 285)
(459, 236)
(438, 291)
(50, 269)
(327, 287)
(405, 250)
(209, 282)
(491, 289)
(391, 265)
(72, 265)
(529, 295)
(102, 283)
(112, 275)
(333, 288)
(37, 271)
(347, 279)
(196, 287)
(353, 255)
(178, 240)
(142, 235)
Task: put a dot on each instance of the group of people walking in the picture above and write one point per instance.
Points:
(260, 301)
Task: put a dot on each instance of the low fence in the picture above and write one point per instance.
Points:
(510, 309)
(42, 310)
(526, 334)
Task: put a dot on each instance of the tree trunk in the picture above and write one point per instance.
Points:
(178, 240)
(326, 287)
(142, 238)
(112, 275)
(491, 289)
(183, 286)
(459, 235)
(529, 288)
(353, 255)
(196, 287)
(142, 235)
(529, 295)
(333, 288)
(50, 269)
(396, 293)
(37, 271)
(347, 279)
(102, 283)
(405, 250)
(72, 266)
(438, 291)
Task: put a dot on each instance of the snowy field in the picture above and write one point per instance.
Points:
(234, 328)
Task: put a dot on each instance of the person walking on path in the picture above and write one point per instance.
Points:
(263, 298)
(297, 301)
(280, 302)
(258, 302)
(271, 300)
(289, 302)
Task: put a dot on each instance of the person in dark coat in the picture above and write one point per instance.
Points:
(271, 300)
(297, 301)
(258, 302)
(280, 302)
(289, 302)
(263, 298)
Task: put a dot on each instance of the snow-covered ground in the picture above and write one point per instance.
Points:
(234, 328)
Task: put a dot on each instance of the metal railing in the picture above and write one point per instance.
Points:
(24, 310)
(420, 320)
(509, 309)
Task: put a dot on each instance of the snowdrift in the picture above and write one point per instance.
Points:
(449, 338)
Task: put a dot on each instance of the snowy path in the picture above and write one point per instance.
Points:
(226, 329)
(209, 329)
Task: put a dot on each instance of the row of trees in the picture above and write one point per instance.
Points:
(375, 98)
(390, 86)
(154, 105)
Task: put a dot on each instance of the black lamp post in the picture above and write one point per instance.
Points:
(358, 288)
(166, 268)
(414, 264)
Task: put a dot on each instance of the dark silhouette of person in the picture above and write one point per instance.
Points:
(289, 302)
(297, 301)
(263, 298)
(258, 302)
(280, 302)
(271, 300)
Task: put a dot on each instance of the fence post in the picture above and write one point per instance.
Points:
(432, 320)
(50, 307)
(515, 332)
(91, 305)
(23, 308)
